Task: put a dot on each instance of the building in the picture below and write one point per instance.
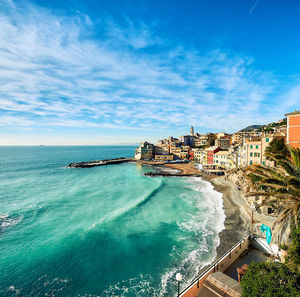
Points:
(199, 155)
(164, 157)
(293, 129)
(223, 142)
(192, 131)
(256, 149)
(242, 137)
(163, 149)
(254, 152)
(144, 151)
(191, 155)
(209, 155)
(175, 149)
(241, 155)
(204, 140)
(201, 140)
(224, 160)
(188, 140)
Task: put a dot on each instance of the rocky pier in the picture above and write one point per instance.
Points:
(89, 164)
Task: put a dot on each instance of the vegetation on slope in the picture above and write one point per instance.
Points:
(269, 279)
(280, 185)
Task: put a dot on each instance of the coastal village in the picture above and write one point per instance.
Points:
(253, 178)
(216, 152)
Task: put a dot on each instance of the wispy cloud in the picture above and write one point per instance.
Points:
(254, 6)
(63, 71)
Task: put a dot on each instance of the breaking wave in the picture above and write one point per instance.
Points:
(9, 221)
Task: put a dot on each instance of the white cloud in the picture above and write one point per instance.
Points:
(54, 73)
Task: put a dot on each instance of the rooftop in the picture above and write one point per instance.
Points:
(211, 148)
(222, 153)
(219, 284)
(293, 113)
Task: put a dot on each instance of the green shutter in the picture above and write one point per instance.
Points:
(267, 139)
(250, 162)
(251, 154)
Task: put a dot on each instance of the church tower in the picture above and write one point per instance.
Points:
(192, 131)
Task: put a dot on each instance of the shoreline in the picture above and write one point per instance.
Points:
(237, 223)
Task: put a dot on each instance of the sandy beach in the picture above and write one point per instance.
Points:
(237, 223)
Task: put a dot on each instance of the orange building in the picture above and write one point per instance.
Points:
(293, 129)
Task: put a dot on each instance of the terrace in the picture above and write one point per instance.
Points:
(222, 276)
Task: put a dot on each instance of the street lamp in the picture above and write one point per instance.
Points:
(179, 279)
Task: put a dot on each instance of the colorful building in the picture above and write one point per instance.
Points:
(256, 149)
(293, 129)
(199, 155)
(209, 155)
(224, 160)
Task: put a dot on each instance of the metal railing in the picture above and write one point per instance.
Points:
(214, 265)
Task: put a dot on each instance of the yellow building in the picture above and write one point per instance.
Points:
(224, 160)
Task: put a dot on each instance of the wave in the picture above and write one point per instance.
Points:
(208, 222)
(43, 286)
(204, 227)
(9, 220)
(126, 210)
(141, 286)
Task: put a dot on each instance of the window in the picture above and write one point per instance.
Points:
(255, 154)
(251, 154)
(251, 162)
(251, 146)
(264, 163)
(267, 139)
(258, 154)
(256, 147)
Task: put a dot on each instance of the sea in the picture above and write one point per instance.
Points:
(101, 231)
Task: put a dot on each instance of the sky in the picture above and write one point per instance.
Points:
(120, 72)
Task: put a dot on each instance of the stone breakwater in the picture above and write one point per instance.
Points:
(170, 174)
(88, 164)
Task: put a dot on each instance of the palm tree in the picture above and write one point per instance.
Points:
(281, 185)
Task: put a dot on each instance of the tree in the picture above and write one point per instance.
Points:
(269, 279)
(294, 250)
(280, 186)
(277, 149)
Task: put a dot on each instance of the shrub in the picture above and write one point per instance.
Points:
(294, 250)
(269, 279)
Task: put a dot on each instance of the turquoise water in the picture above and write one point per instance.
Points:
(102, 231)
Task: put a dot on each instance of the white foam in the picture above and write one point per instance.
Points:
(205, 224)
(7, 220)
(139, 286)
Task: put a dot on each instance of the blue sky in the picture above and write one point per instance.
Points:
(110, 72)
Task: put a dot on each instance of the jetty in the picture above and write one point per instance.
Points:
(162, 173)
(88, 164)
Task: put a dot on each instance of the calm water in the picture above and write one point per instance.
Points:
(102, 231)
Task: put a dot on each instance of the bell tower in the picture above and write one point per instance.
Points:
(192, 131)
